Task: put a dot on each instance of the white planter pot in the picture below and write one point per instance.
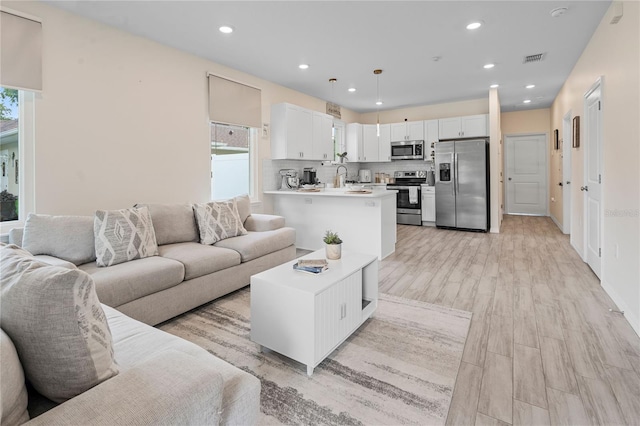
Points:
(334, 251)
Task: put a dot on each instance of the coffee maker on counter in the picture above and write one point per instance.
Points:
(289, 179)
(309, 176)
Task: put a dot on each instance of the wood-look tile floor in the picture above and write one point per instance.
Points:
(543, 347)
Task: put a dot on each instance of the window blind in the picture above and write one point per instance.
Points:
(20, 52)
(234, 103)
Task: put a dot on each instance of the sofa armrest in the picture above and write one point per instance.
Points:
(168, 389)
(263, 222)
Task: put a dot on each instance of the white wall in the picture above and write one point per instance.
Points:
(123, 120)
(613, 53)
(496, 165)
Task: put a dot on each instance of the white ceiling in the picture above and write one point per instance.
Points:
(347, 40)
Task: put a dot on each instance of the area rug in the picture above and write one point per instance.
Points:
(399, 367)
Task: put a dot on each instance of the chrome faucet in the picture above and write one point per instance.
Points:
(341, 179)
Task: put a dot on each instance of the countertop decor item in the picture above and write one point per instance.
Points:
(333, 245)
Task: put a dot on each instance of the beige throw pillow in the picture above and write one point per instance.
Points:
(56, 323)
(218, 220)
(123, 235)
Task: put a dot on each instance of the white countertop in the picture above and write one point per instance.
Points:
(337, 192)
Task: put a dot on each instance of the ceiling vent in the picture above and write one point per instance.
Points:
(533, 58)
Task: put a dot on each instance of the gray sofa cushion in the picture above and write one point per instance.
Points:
(256, 244)
(136, 342)
(15, 236)
(174, 223)
(55, 320)
(129, 281)
(218, 220)
(55, 261)
(68, 237)
(198, 259)
(13, 391)
(244, 206)
(263, 222)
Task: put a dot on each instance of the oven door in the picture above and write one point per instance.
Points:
(405, 203)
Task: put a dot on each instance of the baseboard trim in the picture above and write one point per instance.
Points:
(556, 222)
(622, 305)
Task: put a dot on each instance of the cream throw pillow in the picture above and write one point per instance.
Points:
(123, 235)
(56, 323)
(218, 220)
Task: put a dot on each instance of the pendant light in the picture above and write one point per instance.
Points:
(378, 101)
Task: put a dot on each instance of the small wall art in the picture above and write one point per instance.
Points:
(556, 142)
(576, 131)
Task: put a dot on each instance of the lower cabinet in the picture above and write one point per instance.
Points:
(428, 204)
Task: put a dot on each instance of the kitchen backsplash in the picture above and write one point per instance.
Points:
(271, 179)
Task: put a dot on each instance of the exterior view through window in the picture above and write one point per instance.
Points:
(9, 154)
(230, 161)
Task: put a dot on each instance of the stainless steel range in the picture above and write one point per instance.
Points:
(408, 199)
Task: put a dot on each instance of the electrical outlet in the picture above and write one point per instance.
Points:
(265, 130)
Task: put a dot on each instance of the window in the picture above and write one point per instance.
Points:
(9, 155)
(232, 161)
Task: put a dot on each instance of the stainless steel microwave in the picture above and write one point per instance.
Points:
(407, 150)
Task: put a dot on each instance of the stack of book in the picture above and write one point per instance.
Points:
(311, 266)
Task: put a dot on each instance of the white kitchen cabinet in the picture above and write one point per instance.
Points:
(469, 126)
(322, 140)
(354, 142)
(291, 132)
(428, 205)
(431, 132)
(407, 131)
(370, 143)
(384, 143)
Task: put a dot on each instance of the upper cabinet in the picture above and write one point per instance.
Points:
(431, 132)
(322, 139)
(300, 134)
(354, 142)
(407, 131)
(384, 143)
(470, 126)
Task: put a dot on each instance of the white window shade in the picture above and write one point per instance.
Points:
(20, 52)
(234, 103)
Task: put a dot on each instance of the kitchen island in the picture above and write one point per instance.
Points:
(366, 222)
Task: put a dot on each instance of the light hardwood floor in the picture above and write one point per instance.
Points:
(543, 347)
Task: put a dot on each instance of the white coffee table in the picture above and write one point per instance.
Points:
(306, 317)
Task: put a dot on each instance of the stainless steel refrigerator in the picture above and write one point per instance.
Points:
(462, 190)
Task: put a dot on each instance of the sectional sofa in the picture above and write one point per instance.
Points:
(162, 379)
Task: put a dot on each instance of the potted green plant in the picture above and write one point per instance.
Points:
(333, 245)
(342, 155)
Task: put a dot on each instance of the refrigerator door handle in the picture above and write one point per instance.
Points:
(453, 175)
(455, 171)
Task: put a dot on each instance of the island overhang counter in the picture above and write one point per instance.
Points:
(366, 222)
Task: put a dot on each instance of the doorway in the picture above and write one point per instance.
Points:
(526, 174)
(566, 173)
(593, 177)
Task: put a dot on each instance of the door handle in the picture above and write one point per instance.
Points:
(568, 182)
(509, 178)
(457, 181)
(584, 188)
(559, 183)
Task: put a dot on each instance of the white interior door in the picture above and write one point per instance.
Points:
(593, 178)
(526, 174)
(566, 173)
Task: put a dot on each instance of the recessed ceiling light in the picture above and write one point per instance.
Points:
(351, 89)
(379, 103)
(474, 25)
(493, 86)
(530, 86)
(489, 66)
(526, 101)
(559, 11)
(226, 29)
(303, 66)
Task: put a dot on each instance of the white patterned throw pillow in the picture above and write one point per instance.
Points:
(123, 235)
(57, 324)
(218, 220)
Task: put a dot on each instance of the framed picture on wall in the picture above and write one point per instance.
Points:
(556, 142)
(576, 131)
